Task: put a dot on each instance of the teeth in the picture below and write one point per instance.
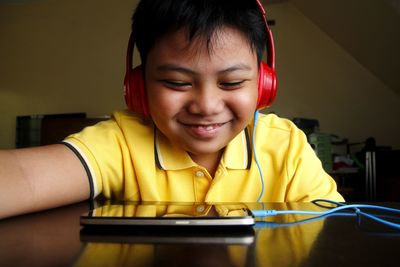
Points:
(208, 127)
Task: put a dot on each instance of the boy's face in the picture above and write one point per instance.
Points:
(200, 99)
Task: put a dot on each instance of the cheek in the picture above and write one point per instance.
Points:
(244, 103)
(163, 104)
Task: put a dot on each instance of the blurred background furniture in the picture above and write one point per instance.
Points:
(364, 171)
(37, 130)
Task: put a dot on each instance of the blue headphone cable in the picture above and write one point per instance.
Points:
(356, 208)
(255, 155)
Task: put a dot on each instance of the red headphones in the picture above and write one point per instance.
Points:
(135, 93)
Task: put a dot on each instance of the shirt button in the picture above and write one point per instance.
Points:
(199, 174)
(200, 208)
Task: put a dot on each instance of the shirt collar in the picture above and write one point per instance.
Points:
(168, 156)
(237, 154)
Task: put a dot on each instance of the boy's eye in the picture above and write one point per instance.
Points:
(176, 84)
(232, 85)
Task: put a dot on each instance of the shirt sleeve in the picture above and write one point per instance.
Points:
(308, 180)
(105, 155)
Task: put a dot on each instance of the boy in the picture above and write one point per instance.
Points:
(190, 134)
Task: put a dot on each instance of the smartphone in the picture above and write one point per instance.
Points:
(169, 214)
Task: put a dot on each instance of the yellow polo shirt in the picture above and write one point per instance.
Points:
(127, 158)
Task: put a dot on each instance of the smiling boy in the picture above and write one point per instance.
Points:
(195, 139)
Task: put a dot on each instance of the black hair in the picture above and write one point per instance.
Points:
(153, 19)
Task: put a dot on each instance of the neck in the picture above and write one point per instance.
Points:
(208, 161)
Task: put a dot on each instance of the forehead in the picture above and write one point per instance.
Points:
(225, 41)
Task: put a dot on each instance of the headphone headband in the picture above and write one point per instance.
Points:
(270, 45)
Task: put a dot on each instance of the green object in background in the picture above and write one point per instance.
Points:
(322, 146)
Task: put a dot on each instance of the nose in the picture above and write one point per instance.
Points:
(206, 101)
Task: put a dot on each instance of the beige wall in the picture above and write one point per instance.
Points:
(62, 56)
(59, 56)
(318, 79)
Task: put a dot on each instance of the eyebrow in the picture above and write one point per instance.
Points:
(239, 66)
(178, 68)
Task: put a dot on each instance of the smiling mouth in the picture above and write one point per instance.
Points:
(204, 131)
(207, 127)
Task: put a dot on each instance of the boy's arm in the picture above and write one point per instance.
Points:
(39, 178)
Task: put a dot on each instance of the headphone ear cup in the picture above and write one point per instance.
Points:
(134, 91)
(267, 85)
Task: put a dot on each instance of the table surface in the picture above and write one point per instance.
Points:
(55, 238)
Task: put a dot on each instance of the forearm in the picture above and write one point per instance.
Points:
(16, 189)
(40, 178)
